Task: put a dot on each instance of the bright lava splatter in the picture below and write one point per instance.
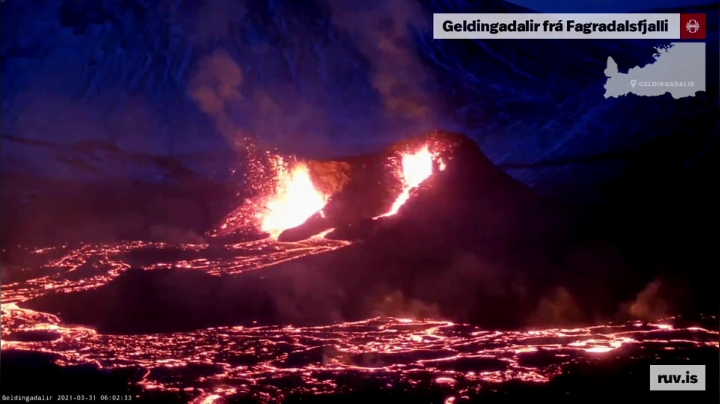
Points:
(415, 168)
(292, 198)
(295, 199)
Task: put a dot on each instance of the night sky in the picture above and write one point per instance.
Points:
(601, 6)
(176, 81)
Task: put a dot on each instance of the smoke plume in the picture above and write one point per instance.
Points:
(382, 32)
(649, 304)
(215, 89)
(287, 87)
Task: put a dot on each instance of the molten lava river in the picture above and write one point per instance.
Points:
(459, 360)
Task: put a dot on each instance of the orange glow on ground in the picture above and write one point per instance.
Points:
(294, 201)
(416, 168)
(402, 348)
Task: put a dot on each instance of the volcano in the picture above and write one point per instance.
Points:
(468, 237)
(366, 193)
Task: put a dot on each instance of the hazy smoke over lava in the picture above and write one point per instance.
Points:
(215, 89)
(382, 31)
(659, 298)
(293, 96)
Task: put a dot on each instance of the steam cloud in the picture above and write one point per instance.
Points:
(652, 302)
(280, 98)
(215, 88)
(382, 31)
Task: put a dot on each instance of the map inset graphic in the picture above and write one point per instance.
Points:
(678, 69)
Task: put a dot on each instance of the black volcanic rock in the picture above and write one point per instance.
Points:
(19, 366)
(357, 230)
(33, 336)
(314, 225)
(37, 211)
(161, 301)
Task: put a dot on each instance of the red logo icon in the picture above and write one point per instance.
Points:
(692, 26)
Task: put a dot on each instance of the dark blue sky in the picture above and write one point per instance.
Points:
(602, 6)
(307, 92)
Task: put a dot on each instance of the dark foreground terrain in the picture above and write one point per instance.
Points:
(624, 378)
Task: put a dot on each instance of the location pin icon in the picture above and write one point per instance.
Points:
(632, 83)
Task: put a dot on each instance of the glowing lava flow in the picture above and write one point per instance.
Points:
(416, 168)
(295, 200)
(268, 363)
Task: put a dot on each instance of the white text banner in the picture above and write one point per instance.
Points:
(556, 26)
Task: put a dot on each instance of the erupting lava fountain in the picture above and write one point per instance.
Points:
(416, 168)
(295, 198)
(294, 201)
